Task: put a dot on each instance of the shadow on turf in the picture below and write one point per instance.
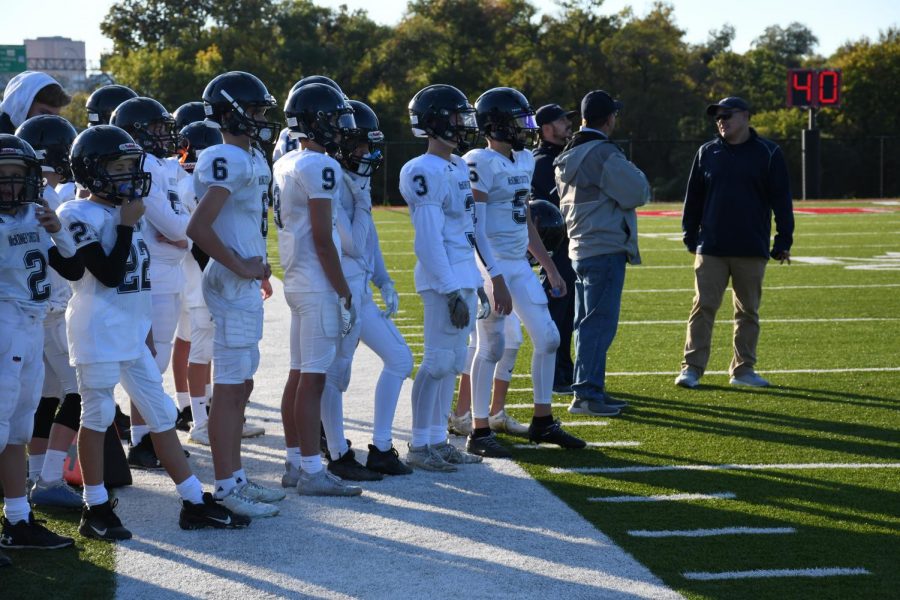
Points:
(811, 432)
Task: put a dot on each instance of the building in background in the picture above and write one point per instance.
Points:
(60, 57)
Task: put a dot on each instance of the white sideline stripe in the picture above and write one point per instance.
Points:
(772, 288)
(774, 371)
(733, 467)
(766, 573)
(644, 533)
(664, 497)
(584, 423)
(831, 320)
(554, 405)
(589, 445)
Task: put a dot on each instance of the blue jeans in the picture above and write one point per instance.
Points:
(598, 297)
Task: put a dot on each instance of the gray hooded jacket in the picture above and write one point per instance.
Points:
(19, 95)
(599, 190)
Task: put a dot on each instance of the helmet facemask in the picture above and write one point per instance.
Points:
(21, 182)
(118, 181)
(367, 163)
(238, 121)
(157, 137)
(520, 131)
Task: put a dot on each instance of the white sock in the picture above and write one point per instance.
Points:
(191, 490)
(437, 435)
(420, 437)
(311, 464)
(293, 456)
(16, 509)
(438, 428)
(332, 413)
(209, 390)
(95, 494)
(35, 465)
(224, 487)
(54, 461)
(198, 410)
(138, 432)
(183, 399)
(240, 478)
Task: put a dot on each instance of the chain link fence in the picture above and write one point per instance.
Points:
(867, 167)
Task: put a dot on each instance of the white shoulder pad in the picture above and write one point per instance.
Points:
(224, 165)
(422, 183)
(84, 220)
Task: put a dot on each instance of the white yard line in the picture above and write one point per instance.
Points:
(768, 573)
(664, 497)
(584, 423)
(554, 405)
(466, 530)
(691, 533)
(589, 445)
(767, 372)
(771, 288)
(798, 320)
(725, 467)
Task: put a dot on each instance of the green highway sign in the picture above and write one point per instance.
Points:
(12, 59)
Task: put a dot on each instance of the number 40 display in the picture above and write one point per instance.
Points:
(814, 88)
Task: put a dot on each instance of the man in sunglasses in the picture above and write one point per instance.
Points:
(737, 181)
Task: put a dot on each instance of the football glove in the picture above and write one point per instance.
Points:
(391, 299)
(359, 189)
(484, 305)
(459, 311)
(348, 316)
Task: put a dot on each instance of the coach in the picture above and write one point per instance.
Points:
(737, 181)
(599, 190)
(555, 130)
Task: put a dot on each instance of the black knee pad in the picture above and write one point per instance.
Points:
(43, 417)
(69, 414)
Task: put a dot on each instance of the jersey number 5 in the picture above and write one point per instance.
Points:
(519, 211)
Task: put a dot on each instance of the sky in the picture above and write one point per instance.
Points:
(833, 22)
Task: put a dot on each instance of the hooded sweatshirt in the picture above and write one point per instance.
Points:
(599, 190)
(19, 96)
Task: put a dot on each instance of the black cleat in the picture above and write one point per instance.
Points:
(123, 424)
(387, 462)
(143, 456)
(5, 560)
(347, 467)
(486, 445)
(209, 514)
(101, 523)
(184, 420)
(554, 434)
(30, 535)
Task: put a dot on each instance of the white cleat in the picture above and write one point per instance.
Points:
(324, 483)
(254, 491)
(460, 425)
(240, 504)
(199, 434)
(751, 379)
(250, 431)
(503, 423)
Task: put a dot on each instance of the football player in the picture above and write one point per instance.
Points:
(108, 327)
(196, 329)
(436, 187)
(501, 183)
(151, 127)
(308, 184)
(286, 142)
(361, 156)
(230, 224)
(51, 137)
(27, 226)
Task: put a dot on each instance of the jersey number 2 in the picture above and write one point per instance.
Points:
(37, 275)
(134, 281)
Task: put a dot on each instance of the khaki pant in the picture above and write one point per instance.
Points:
(711, 279)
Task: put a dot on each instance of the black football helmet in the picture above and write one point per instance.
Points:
(101, 104)
(227, 98)
(504, 114)
(442, 111)
(15, 151)
(51, 138)
(366, 132)
(318, 79)
(319, 113)
(549, 222)
(137, 116)
(188, 113)
(193, 139)
(94, 149)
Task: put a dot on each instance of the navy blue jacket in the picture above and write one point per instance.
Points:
(543, 181)
(731, 195)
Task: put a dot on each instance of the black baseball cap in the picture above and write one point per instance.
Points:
(732, 102)
(598, 105)
(551, 112)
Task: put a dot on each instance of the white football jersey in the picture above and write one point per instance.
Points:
(300, 176)
(242, 223)
(431, 180)
(507, 184)
(361, 264)
(193, 276)
(106, 324)
(285, 144)
(60, 291)
(164, 218)
(24, 277)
